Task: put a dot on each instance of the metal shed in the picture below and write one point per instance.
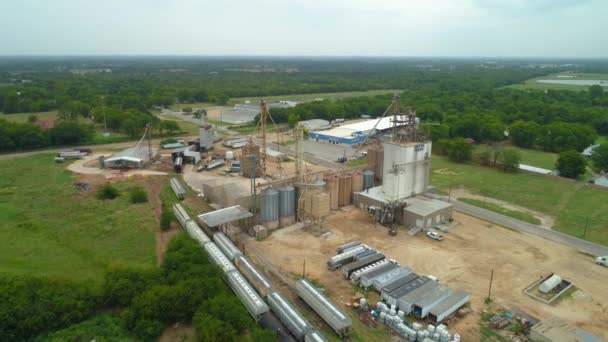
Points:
(178, 189)
(406, 303)
(446, 308)
(257, 279)
(288, 315)
(223, 216)
(254, 304)
(367, 280)
(424, 212)
(314, 336)
(217, 257)
(423, 305)
(226, 246)
(389, 277)
(330, 313)
(394, 296)
(397, 283)
(348, 269)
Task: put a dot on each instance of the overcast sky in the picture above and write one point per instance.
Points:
(488, 28)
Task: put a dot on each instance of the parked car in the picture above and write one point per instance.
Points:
(602, 260)
(434, 236)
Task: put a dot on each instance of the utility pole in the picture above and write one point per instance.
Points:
(490, 289)
(263, 116)
(304, 269)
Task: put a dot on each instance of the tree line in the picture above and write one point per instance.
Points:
(187, 288)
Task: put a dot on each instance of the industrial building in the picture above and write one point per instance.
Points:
(131, 158)
(354, 133)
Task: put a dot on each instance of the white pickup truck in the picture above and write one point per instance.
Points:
(602, 260)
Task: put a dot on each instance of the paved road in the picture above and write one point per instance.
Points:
(525, 227)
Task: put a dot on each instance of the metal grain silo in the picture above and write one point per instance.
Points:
(270, 208)
(287, 205)
(345, 186)
(357, 182)
(368, 179)
(332, 189)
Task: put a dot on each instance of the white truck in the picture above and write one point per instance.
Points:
(602, 260)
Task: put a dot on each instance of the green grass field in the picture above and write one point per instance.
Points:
(545, 160)
(570, 203)
(22, 117)
(533, 84)
(303, 97)
(498, 209)
(52, 229)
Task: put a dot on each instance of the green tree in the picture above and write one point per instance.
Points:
(187, 109)
(524, 133)
(137, 194)
(211, 329)
(293, 120)
(600, 157)
(107, 192)
(570, 164)
(596, 91)
(460, 150)
(509, 160)
(169, 126)
(32, 118)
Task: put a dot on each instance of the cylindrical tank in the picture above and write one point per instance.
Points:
(362, 302)
(345, 189)
(357, 182)
(368, 179)
(456, 338)
(431, 329)
(382, 317)
(550, 284)
(287, 205)
(319, 204)
(392, 312)
(333, 190)
(270, 208)
(247, 164)
(401, 314)
(229, 156)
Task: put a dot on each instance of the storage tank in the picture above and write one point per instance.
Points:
(409, 166)
(270, 208)
(319, 204)
(229, 156)
(287, 205)
(247, 165)
(550, 284)
(333, 190)
(356, 183)
(368, 179)
(345, 186)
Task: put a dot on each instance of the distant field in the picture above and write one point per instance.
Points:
(22, 117)
(568, 202)
(49, 228)
(533, 84)
(545, 160)
(303, 97)
(498, 209)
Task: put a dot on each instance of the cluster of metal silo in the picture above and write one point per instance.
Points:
(287, 205)
(270, 208)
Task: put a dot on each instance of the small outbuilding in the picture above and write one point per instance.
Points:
(422, 212)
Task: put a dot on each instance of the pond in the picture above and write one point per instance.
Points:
(603, 83)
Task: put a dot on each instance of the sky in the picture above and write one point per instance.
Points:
(450, 28)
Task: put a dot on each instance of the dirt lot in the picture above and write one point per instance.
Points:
(463, 260)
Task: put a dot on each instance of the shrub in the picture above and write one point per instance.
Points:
(166, 217)
(137, 194)
(107, 192)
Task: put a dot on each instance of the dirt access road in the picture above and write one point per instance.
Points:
(463, 260)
